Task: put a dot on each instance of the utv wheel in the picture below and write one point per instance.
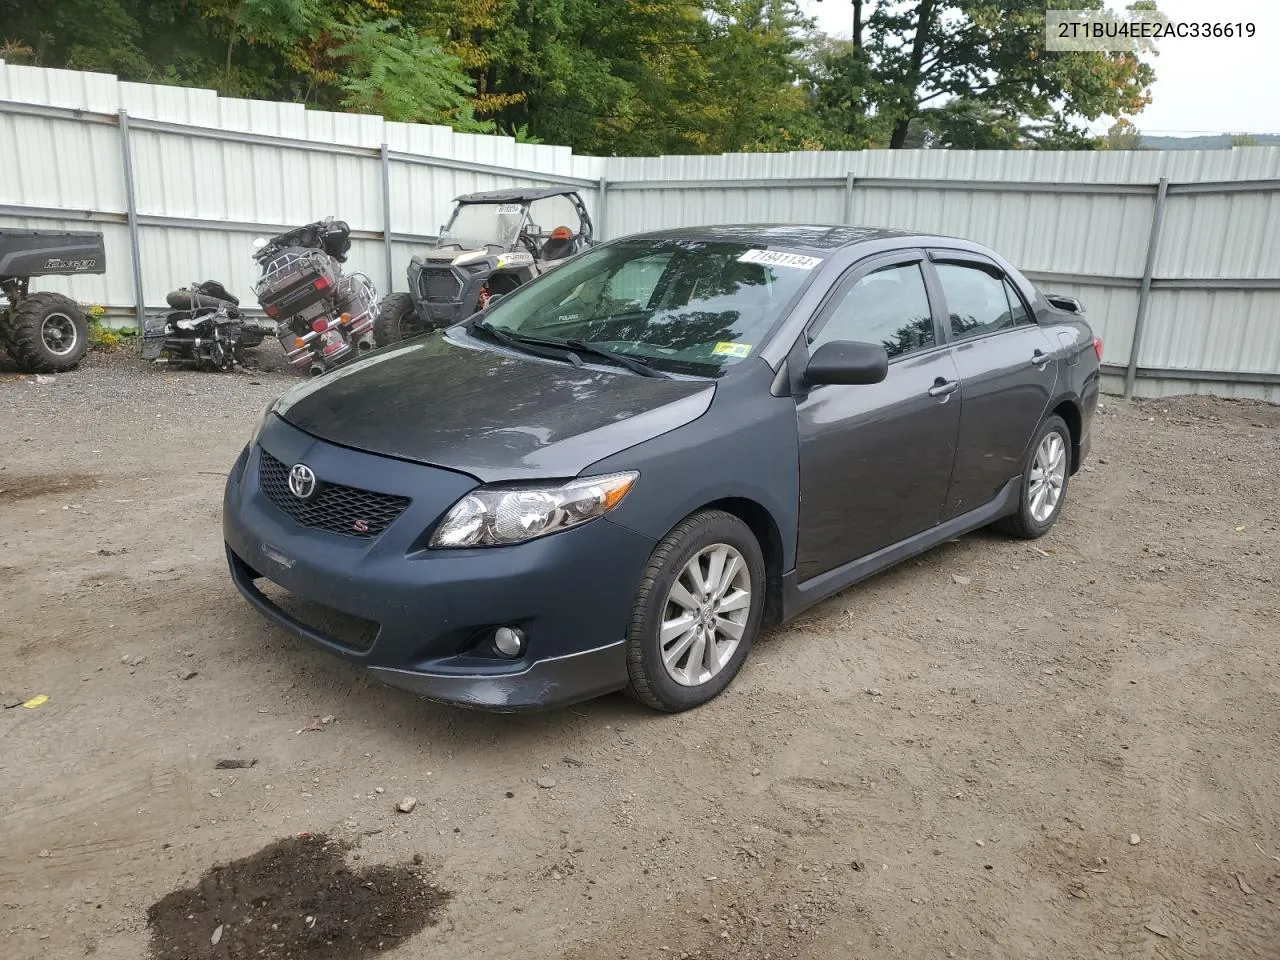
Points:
(1044, 482)
(392, 324)
(48, 333)
(696, 613)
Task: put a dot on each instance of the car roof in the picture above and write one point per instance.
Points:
(514, 195)
(800, 237)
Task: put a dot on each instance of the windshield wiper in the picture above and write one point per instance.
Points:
(631, 363)
(551, 349)
(557, 349)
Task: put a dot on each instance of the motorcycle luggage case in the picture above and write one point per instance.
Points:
(308, 277)
(154, 331)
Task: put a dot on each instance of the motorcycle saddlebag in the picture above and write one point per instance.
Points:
(154, 330)
(295, 280)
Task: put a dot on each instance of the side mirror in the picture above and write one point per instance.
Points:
(842, 361)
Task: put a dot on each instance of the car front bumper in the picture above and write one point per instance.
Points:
(431, 612)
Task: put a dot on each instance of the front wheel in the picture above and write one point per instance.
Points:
(48, 333)
(392, 324)
(696, 613)
(1044, 482)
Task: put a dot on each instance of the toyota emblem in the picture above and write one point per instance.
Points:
(302, 481)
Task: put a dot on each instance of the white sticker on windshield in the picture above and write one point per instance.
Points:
(775, 258)
(509, 209)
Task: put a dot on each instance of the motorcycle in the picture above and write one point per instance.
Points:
(204, 328)
(324, 317)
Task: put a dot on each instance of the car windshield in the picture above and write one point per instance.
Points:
(687, 306)
(484, 224)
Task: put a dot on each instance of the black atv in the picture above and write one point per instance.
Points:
(495, 242)
(45, 332)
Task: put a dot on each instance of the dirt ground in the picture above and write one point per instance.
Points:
(1067, 749)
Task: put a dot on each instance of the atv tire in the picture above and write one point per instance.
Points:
(394, 320)
(47, 333)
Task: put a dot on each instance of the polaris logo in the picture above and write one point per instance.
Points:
(57, 263)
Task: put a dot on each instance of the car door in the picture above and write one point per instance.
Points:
(1007, 374)
(875, 459)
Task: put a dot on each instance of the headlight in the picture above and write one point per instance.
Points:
(492, 517)
(262, 422)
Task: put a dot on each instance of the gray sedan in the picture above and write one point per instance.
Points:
(610, 478)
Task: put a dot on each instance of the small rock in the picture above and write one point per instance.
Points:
(417, 859)
(1157, 929)
(378, 790)
(235, 763)
(215, 793)
(961, 579)
(132, 660)
(755, 771)
(1078, 893)
(45, 854)
(329, 719)
(510, 795)
(1244, 884)
(217, 935)
(407, 804)
(980, 843)
(1103, 460)
(873, 692)
(1049, 671)
(546, 783)
(187, 674)
(1134, 839)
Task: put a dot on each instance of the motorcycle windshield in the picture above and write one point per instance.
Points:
(477, 225)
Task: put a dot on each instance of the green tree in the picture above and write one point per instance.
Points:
(1244, 140)
(1123, 135)
(919, 55)
(405, 75)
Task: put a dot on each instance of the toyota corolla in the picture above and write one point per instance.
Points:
(612, 477)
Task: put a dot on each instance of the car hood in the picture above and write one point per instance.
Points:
(450, 401)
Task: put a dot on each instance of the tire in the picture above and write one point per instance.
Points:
(389, 325)
(48, 333)
(650, 680)
(1031, 522)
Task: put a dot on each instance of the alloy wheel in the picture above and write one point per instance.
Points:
(1048, 477)
(705, 615)
(59, 334)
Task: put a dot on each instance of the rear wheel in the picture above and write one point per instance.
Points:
(1044, 482)
(696, 613)
(48, 333)
(394, 319)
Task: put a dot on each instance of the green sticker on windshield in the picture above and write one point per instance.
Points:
(726, 349)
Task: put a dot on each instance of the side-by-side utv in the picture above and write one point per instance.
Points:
(45, 332)
(495, 242)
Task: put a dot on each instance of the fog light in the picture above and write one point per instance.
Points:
(509, 641)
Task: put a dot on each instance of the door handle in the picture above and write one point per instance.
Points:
(942, 388)
(1040, 358)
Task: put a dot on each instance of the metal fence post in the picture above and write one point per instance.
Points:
(131, 209)
(386, 216)
(602, 193)
(848, 198)
(1144, 294)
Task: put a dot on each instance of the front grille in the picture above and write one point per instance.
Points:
(345, 629)
(333, 507)
(438, 284)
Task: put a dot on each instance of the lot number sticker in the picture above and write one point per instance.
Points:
(775, 258)
(726, 349)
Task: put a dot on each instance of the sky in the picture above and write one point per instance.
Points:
(1202, 86)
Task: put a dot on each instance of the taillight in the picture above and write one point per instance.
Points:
(319, 325)
(321, 283)
(1097, 348)
(271, 310)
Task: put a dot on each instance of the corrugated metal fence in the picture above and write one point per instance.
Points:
(1180, 248)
